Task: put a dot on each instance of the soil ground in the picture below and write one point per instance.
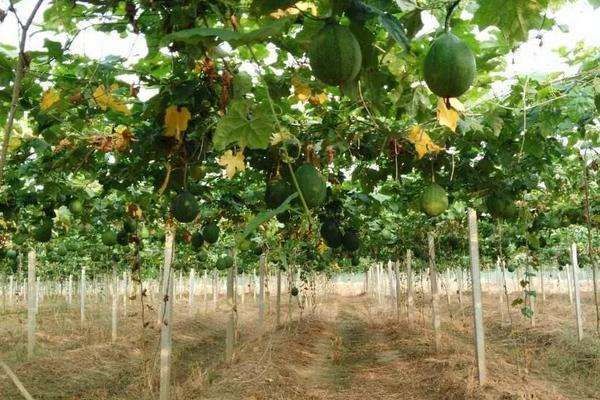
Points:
(350, 348)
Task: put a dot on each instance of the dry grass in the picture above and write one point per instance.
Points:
(353, 349)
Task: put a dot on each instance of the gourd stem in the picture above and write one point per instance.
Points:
(451, 9)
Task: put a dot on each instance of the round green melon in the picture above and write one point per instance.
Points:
(129, 225)
(109, 238)
(334, 54)
(500, 206)
(294, 292)
(449, 66)
(351, 241)
(225, 262)
(123, 238)
(184, 207)
(510, 268)
(277, 192)
(312, 185)
(434, 200)
(76, 206)
(211, 233)
(197, 172)
(43, 232)
(330, 231)
(197, 240)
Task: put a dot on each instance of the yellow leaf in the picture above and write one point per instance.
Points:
(318, 99)
(306, 6)
(322, 248)
(176, 121)
(105, 99)
(301, 90)
(456, 104)
(232, 162)
(447, 116)
(422, 141)
(14, 143)
(49, 98)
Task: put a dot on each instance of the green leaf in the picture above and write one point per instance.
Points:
(516, 302)
(395, 29)
(527, 312)
(245, 126)
(515, 18)
(264, 216)
(197, 35)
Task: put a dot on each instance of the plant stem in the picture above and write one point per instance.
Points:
(19, 73)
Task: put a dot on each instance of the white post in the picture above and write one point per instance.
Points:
(231, 302)
(261, 290)
(167, 319)
(125, 293)
(409, 288)
(278, 320)
(31, 302)
(115, 299)
(476, 292)
(191, 290)
(82, 296)
(574, 267)
(70, 290)
(435, 313)
(397, 276)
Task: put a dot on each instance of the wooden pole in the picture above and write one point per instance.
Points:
(574, 267)
(167, 318)
(479, 335)
(435, 312)
(31, 302)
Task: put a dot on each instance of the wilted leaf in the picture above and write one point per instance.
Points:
(105, 99)
(301, 90)
(422, 141)
(232, 162)
(176, 121)
(447, 116)
(122, 138)
(49, 98)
